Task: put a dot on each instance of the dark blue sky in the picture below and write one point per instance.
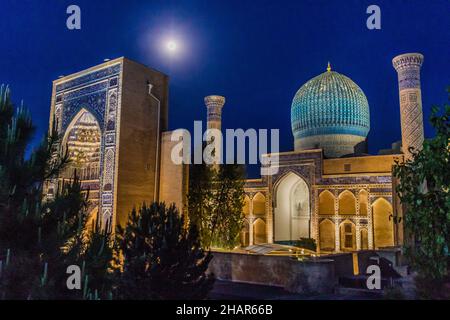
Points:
(256, 53)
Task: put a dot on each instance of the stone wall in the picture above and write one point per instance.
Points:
(173, 182)
(142, 115)
(315, 276)
(344, 264)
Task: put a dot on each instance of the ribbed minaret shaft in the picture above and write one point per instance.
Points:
(408, 70)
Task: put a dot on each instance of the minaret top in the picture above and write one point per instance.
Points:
(214, 101)
(407, 60)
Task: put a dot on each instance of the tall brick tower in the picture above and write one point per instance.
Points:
(214, 105)
(112, 126)
(408, 69)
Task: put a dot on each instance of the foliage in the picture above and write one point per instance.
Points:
(424, 193)
(436, 289)
(201, 200)
(162, 257)
(97, 260)
(38, 239)
(215, 203)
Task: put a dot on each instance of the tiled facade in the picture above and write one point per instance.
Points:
(374, 182)
(127, 102)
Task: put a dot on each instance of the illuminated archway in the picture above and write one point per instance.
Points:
(292, 209)
(245, 234)
(347, 203)
(326, 203)
(259, 231)
(383, 226)
(83, 141)
(259, 204)
(363, 202)
(364, 239)
(327, 235)
(82, 138)
(246, 207)
(348, 235)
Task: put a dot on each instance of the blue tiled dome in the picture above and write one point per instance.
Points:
(330, 104)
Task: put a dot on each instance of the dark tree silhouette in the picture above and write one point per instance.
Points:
(162, 257)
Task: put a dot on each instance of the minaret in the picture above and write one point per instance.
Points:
(214, 105)
(408, 69)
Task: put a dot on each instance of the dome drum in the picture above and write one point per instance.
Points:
(331, 144)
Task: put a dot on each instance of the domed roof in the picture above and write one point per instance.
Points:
(330, 104)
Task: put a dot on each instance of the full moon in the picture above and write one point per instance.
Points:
(171, 46)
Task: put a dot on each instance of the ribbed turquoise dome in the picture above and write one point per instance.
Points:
(329, 104)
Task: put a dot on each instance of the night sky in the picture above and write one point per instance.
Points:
(256, 53)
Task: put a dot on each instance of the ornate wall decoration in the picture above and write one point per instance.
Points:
(106, 217)
(91, 77)
(108, 170)
(58, 117)
(110, 139)
(111, 113)
(98, 92)
(94, 102)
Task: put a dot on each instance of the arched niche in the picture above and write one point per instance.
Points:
(383, 226)
(259, 231)
(327, 235)
(348, 235)
(364, 238)
(326, 203)
(83, 141)
(292, 212)
(246, 207)
(363, 202)
(244, 236)
(259, 204)
(347, 203)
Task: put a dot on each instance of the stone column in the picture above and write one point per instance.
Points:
(315, 220)
(370, 233)
(251, 219)
(408, 69)
(250, 231)
(269, 220)
(358, 224)
(337, 233)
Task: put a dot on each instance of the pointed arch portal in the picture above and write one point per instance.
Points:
(292, 212)
(383, 226)
(83, 141)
